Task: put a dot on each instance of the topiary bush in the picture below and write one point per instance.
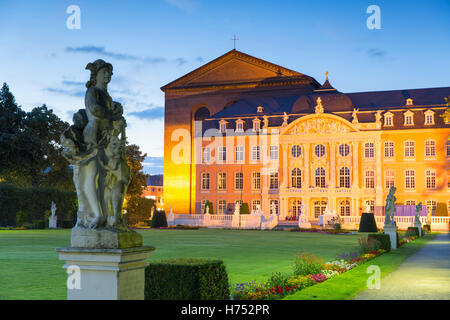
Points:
(368, 223)
(244, 208)
(186, 279)
(159, 219)
(384, 239)
(412, 231)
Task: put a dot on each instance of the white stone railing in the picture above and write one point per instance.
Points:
(403, 222)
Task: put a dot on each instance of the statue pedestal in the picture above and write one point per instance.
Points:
(105, 274)
(104, 238)
(235, 222)
(391, 230)
(303, 222)
(52, 222)
(418, 225)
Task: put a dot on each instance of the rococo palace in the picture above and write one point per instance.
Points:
(241, 129)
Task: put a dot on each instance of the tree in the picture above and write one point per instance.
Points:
(133, 200)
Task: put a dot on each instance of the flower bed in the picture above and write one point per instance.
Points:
(308, 270)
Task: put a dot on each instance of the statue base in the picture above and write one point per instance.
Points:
(419, 227)
(104, 238)
(391, 230)
(105, 274)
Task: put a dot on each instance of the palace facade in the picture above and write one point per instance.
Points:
(241, 129)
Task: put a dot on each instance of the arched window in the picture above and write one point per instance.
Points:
(319, 208)
(344, 150)
(201, 114)
(296, 151)
(344, 177)
(319, 150)
(344, 207)
(320, 177)
(296, 178)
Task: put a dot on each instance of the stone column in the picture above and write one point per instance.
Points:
(105, 274)
(378, 177)
(355, 154)
(332, 165)
(306, 169)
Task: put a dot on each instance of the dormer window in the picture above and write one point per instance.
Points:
(388, 119)
(409, 118)
(256, 125)
(223, 126)
(409, 102)
(259, 109)
(239, 125)
(429, 117)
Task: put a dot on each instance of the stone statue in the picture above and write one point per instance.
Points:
(355, 115)
(390, 207)
(207, 209)
(52, 220)
(95, 146)
(266, 121)
(237, 208)
(367, 208)
(417, 214)
(319, 108)
(285, 119)
(53, 209)
(378, 116)
(152, 212)
(258, 209)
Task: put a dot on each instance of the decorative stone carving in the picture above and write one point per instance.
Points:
(285, 119)
(319, 108)
(390, 207)
(355, 115)
(266, 121)
(378, 116)
(322, 126)
(95, 146)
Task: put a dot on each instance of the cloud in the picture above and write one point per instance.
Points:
(73, 83)
(181, 61)
(150, 113)
(374, 52)
(72, 93)
(119, 56)
(153, 165)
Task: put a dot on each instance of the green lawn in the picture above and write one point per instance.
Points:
(30, 269)
(348, 284)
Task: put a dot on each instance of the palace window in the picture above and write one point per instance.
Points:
(296, 208)
(409, 118)
(256, 153)
(221, 154)
(410, 202)
(389, 149)
(238, 203)
(344, 150)
(429, 117)
(256, 180)
(223, 126)
(344, 207)
(371, 204)
(296, 151)
(369, 150)
(296, 178)
(238, 181)
(256, 125)
(319, 208)
(430, 148)
(320, 177)
(369, 179)
(203, 205)
(388, 119)
(274, 204)
(255, 204)
(259, 109)
(239, 125)
(273, 152)
(344, 177)
(222, 181)
(430, 178)
(431, 206)
(410, 179)
(447, 148)
(410, 149)
(206, 155)
(319, 150)
(389, 178)
(239, 153)
(221, 206)
(274, 180)
(205, 181)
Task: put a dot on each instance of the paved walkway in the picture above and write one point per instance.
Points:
(423, 276)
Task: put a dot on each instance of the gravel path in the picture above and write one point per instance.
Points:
(423, 276)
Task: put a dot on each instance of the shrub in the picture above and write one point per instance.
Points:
(278, 279)
(68, 224)
(367, 245)
(300, 282)
(159, 219)
(186, 279)
(244, 208)
(412, 231)
(307, 263)
(367, 223)
(39, 224)
(384, 239)
(21, 218)
(427, 228)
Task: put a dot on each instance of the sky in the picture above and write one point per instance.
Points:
(151, 43)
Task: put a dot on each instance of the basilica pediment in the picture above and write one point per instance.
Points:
(321, 124)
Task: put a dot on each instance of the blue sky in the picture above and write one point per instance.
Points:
(151, 43)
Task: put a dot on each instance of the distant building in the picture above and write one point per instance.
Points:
(272, 137)
(155, 193)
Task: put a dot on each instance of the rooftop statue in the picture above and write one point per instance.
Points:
(95, 146)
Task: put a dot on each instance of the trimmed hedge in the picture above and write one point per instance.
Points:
(384, 239)
(412, 231)
(368, 223)
(186, 279)
(244, 208)
(159, 219)
(35, 202)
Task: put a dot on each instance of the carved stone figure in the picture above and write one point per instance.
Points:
(378, 116)
(95, 146)
(355, 115)
(285, 119)
(237, 209)
(266, 121)
(53, 209)
(319, 108)
(390, 207)
(207, 210)
(417, 214)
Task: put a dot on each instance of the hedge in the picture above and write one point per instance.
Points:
(244, 208)
(159, 219)
(384, 239)
(35, 202)
(412, 231)
(186, 279)
(368, 223)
